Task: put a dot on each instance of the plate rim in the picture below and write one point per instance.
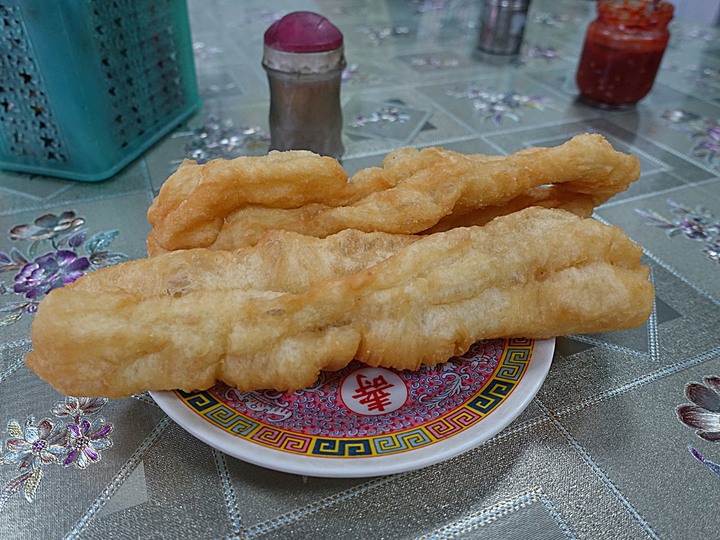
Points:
(358, 467)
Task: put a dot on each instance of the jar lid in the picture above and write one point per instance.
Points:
(303, 32)
(642, 14)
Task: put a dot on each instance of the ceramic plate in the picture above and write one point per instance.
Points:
(363, 421)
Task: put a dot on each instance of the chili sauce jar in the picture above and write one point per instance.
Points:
(623, 49)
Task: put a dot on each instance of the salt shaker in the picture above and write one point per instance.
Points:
(502, 25)
(304, 59)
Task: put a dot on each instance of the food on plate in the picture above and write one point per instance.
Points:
(275, 315)
(282, 261)
(193, 202)
(227, 204)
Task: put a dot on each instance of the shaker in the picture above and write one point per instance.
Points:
(623, 49)
(502, 25)
(304, 59)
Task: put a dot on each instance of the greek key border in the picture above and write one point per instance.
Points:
(508, 374)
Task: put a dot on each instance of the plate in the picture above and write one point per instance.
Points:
(364, 421)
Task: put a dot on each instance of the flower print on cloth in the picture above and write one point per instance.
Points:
(703, 131)
(497, 106)
(49, 271)
(703, 77)
(714, 467)
(355, 74)
(47, 227)
(59, 250)
(378, 36)
(558, 20)
(86, 442)
(388, 114)
(548, 54)
(74, 437)
(221, 139)
(703, 415)
(693, 223)
(704, 412)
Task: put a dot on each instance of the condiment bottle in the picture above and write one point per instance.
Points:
(502, 25)
(304, 59)
(623, 49)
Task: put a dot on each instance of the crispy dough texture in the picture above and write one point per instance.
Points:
(205, 316)
(414, 191)
(194, 201)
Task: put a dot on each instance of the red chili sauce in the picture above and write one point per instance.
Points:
(622, 53)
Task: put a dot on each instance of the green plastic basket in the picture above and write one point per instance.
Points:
(86, 86)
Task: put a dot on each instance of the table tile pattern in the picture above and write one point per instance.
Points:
(599, 453)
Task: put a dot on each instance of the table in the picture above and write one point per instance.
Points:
(599, 453)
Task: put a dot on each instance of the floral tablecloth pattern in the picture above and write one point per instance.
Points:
(622, 440)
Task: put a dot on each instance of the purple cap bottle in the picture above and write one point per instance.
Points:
(304, 59)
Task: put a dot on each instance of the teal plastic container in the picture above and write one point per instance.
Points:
(86, 86)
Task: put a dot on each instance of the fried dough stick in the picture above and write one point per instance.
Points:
(282, 261)
(535, 273)
(413, 192)
(195, 200)
(246, 226)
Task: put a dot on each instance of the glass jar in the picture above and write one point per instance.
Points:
(623, 49)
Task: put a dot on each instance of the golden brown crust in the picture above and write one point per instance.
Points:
(192, 204)
(282, 261)
(412, 192)
(535, 273)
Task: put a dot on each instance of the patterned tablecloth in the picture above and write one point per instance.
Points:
(600, 452)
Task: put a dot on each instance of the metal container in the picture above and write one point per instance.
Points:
(304, 59)
(502, 25)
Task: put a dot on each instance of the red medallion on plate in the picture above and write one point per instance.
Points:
(373, 391)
